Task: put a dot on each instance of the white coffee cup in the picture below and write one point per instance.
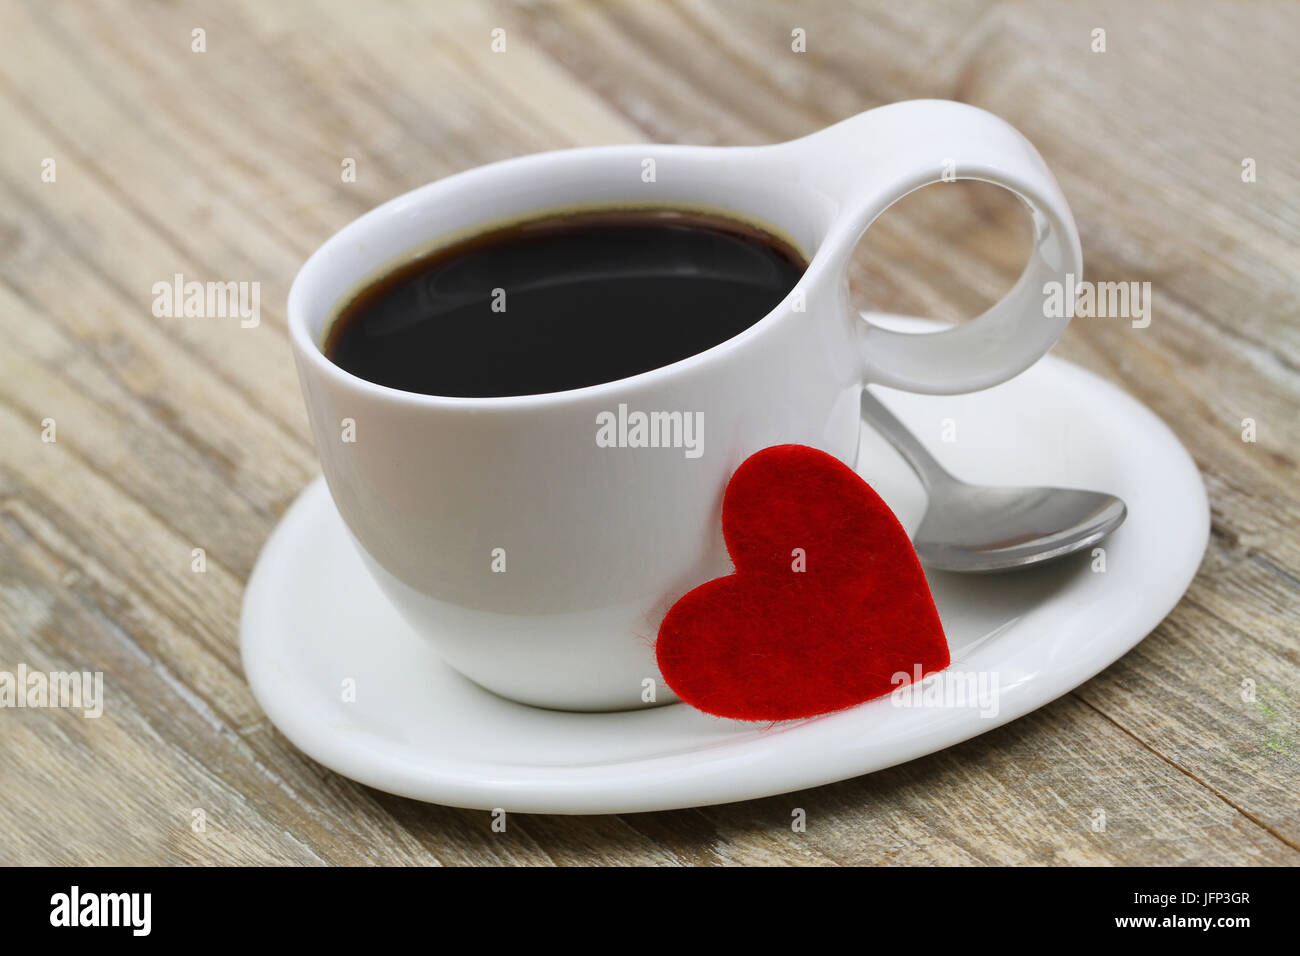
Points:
(598, 542)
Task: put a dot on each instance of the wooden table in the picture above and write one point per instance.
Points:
(177, 434)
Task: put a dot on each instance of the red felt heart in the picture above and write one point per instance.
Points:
(772, 642)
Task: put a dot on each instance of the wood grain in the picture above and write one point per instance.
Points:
(179, 434)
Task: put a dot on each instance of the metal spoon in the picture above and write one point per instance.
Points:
(988, 528)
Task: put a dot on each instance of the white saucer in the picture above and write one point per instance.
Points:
(313, 619)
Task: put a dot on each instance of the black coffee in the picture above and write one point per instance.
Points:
(559, 303)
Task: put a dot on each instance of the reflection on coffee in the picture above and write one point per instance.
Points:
(562, 302)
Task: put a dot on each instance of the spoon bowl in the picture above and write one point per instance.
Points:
(980, 528)
(976, 528)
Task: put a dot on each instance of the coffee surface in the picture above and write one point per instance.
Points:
(563, 302)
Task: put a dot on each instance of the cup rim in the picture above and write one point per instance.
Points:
(312, 352)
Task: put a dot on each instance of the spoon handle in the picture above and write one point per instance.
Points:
(886, 422)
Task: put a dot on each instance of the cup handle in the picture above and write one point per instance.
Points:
(872, 160)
